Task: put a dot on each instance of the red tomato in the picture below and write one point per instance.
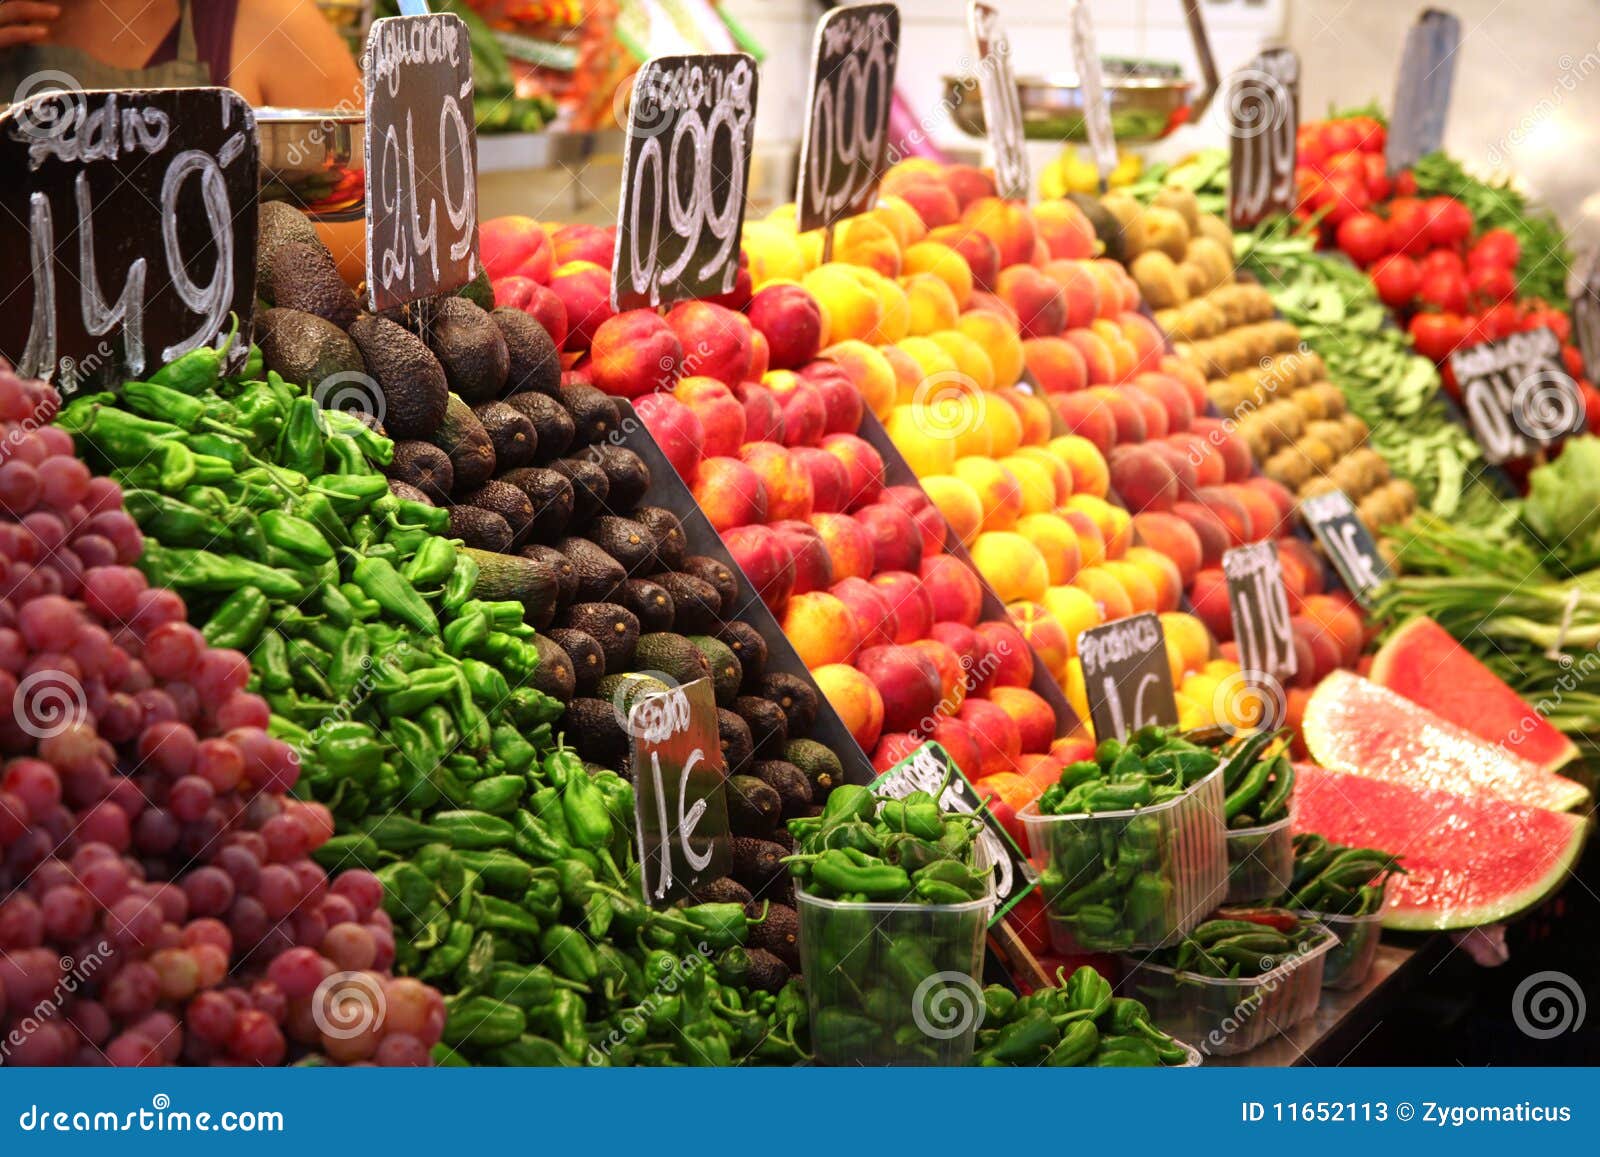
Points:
(1408, 226)
(1347, 197)
(1591, 405)
(1364, 238)
(1396, 279)
(1350, 162)
(1449, 222)
(1445, 289)
(1309, 146)
(1553, 320)
(1378, 182)
(1373, 135)
(1340, 136)
(1499, 320)
(1572, 358)
(1491, 283)
(1447, 260)
(1436, 334)
(1405, 185)
(1496, 247)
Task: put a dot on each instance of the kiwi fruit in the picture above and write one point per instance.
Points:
(587, 660)
(719, 575)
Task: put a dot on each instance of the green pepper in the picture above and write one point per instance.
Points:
(512, 749)
(1087, 990)
(433, 564)
(496, 794)
(568, 953)
(295, 535)
(1125, 1052)
(482, 1021)
(406, 890)
(239, 621)
(1023, 1041)
(198, 370)
(530, 1052)
(300, 443)
(1079, 1040)
(379, 581)
(397, 833)
(543, 895)
(835, 872)
(1147, 903)
(350, 749)
(998, 1001)
(373, 445)
(452, 950)
(504, 916)
(421, 689)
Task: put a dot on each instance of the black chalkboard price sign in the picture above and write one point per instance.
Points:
(1002, 108)
(1260, 607)
(127, 230)
(1517, 394)
(1586, 317)
(422, 159)
(1262, 118)
(1127, 677)
(1347, 541)
(680, 797)
(1422, 90)
(1092, 86)
(685, 164)
(847, 126)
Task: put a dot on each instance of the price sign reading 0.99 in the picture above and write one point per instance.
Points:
(422, 159)
(1127, 677)
(1262, 120)
(691, 128)
(1517, 394)
(1002, 108)
(1349, 544)
(852, 88)
(680, 797)
(127, 230)
(1260, 607)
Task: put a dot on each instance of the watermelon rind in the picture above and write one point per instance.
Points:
(1450, 681)
(1353, 726)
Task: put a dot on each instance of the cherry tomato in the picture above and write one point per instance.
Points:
(1347, 197)
(1373, 136)
(1445, 260)
(1405, 184)
(1408, 226)
(1491, 283)
(1364, 238)
(1341, 136)
(1496, 247)
(1591, 405)
(1499, 320)
(1378, 182)
(1309, 146)
(1444, 288)
(1543, 317)
(1436, 334)
(1396, 279)
(1573, 360)
(1449, 222)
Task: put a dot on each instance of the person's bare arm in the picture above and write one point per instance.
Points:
(25, 22)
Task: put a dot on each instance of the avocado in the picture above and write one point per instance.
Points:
(510, 431)
(650, 601)
(304, 276)
(408, 492)
(463, 437)
(305, 349)
(471, 349)
(781, 836)
(551, 496)
(590, 487)
(722, 890)
(697, 610)
(479, 291)
(483, 529)
(626, 472)
(733, 735)
(665, 528)
(509, 503)
(778, 934)
(625, 540)
(726, 673)
(412, 380)
(278, 223)
(534, 363)
(565, 574)
(672, 655)
(599, 574)
(594, 414)
(818, 764)
(591, 726)
(1107, 229)
(613, 627)
(623, 691)
(791, 784)
(551, 423)
(769, 729)
(508, 576)
(720, 576)
(765, 971)
(588, 660)
(425, 466)
(757, 863)
(796, 698)
(554, 675)
(748, 647)
(753, 807)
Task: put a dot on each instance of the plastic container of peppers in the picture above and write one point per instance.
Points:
(1117, 881)
(894, 983)
(1225, 1017)
(1260, 862)
(1351, 958)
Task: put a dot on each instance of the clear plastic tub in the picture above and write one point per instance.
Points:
(1260, 862)
(893, 984)
(1173, 855)
(1351, 958)
(1222, 1017)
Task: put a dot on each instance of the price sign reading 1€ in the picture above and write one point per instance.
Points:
(685, 164)
(1127, 677)
(1002, 107)
(680, 799)
(1348, 543)
(852, 88)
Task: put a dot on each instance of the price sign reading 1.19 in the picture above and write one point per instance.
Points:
(852, 88)
(1127, 677)
(127, 229)
(1002, 108)
(1260, 607)
(680, 798)
(691, 128)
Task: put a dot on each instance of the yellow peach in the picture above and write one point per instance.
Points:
(959, 504)
(943, 262)
(933, 306)
(969, 357)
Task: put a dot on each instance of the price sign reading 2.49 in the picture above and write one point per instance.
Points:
(1002, 108)
(691, 128)
(422, 159)
(680, 799)
(852, 87)
(1127, 677)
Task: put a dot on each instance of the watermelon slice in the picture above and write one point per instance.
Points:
(1469, 861)
(1425, 664)
(1356, 727)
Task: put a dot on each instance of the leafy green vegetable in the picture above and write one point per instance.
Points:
(1563, 505)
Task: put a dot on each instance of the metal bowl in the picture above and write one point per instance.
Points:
(315, 159)
(1143, 107)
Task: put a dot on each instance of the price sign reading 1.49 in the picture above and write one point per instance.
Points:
(1127, 677)
(691, 128)
(852, 88)
(127, 230)
(422, 159)
(1002, 108)
(680, 796)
